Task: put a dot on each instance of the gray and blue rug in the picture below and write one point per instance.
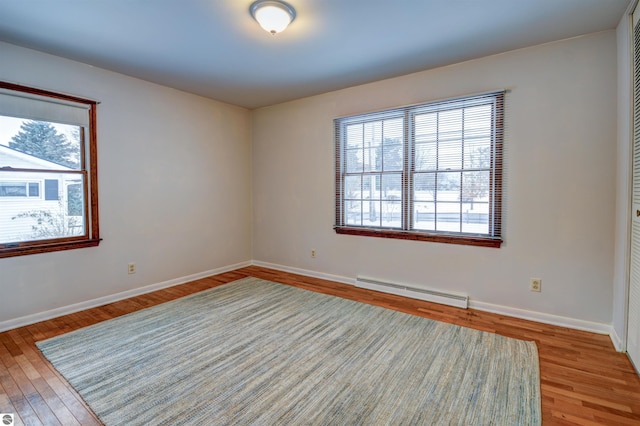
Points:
(258, 352)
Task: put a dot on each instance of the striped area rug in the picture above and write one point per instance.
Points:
(258, 352)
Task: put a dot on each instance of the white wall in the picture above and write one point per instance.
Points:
(174, 183)
(560, 188)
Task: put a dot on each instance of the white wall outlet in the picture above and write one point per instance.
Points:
(313, 253)
(535, 284)
(132, 268)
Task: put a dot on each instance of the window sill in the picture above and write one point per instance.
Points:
(22, 250)
(421, 236)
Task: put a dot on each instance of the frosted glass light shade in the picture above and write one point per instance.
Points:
(272, 15)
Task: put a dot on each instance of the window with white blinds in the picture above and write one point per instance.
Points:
(428, 172)
(48, 171)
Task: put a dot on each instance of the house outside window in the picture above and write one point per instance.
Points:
(430, 172)
(48, 171)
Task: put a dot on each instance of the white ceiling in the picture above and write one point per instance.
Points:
(214, 47)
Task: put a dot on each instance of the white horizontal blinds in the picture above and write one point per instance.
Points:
(407, 181)
(339, 171)
(454, 171)
(372, 170)
(41, 108)
(497, 176)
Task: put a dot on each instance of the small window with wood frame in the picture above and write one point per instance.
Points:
(429, 172)
(48, 171)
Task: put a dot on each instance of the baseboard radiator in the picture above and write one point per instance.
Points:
(459, 300)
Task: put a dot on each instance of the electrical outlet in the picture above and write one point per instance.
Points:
(535, 284)
(313, 253)
(132, 268)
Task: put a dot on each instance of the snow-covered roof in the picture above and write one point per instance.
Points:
(11, 158)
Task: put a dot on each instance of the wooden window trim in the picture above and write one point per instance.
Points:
(92, 237)
(420, 236)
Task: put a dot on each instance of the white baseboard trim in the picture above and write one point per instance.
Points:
(618, 343)
(305, 272)
(76, 307)
(541, 317)
(576, 324)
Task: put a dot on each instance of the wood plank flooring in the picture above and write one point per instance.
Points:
(584, 381)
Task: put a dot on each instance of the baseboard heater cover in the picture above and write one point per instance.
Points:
(459, 300)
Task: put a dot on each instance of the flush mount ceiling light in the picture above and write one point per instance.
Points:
(272, 15)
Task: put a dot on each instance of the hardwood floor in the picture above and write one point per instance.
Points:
(584, 381)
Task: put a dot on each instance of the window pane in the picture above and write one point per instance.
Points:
(371, 187)
(13, 189)
(450, 155)
(392, 144)
(477, 121)
(372, 159)
(448, 202)
(424, 216)
(392, 156)
(32, 144)
(373, 134)
(450, 125)
(75, 199)
(37, 218)
(448, 217)
(475, 186)
(477, 153)
(426, 127)
(34, 189)
(353, 187)
(354, 161)
(51, 190)
(391, 214)
(448, 186)
(353, 213)
(476, 220)
(393, 130)
(392, 187)
(424, 186)
(426, 156)
(354, 136)
(475, 201)
(371, 212)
